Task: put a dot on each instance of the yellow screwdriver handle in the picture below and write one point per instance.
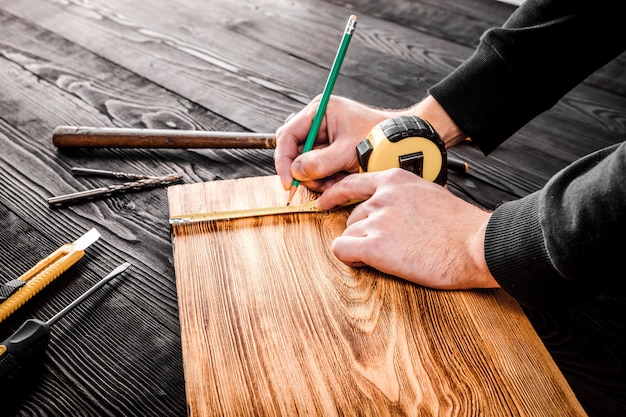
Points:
(40, 275)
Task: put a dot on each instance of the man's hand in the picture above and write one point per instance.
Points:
(345, 124)
(411, 228)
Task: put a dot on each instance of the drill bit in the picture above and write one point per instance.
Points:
(114, 189)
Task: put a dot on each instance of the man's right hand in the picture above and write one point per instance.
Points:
(345, 124)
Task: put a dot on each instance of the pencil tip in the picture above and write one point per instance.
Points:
(292, 191)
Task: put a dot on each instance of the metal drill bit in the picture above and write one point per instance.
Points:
(114, 189)
(108, 174)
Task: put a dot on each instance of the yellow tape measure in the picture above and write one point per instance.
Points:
(406, 142)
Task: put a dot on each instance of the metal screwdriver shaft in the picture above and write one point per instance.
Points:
(91, 290)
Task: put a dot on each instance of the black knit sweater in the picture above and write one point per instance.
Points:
(563, 243)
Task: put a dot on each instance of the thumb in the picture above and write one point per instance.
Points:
(324, 162)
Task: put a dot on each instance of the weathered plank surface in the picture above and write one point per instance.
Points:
(233, 66)
(273, 324)
(229, 66)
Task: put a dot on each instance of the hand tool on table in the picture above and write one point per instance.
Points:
(328, 89)
(110, 137)
(94, 172)
(16, 292)
(139, 182)
(31, 339)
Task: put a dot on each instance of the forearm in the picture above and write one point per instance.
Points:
(523, 68)
(563, 243)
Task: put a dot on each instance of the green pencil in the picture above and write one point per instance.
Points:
(328, 89)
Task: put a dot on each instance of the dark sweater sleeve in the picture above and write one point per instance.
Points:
(524, 67)
(564, 243)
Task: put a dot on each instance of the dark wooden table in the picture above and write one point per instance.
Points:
(232, 66)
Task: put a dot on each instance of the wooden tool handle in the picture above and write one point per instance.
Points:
(107, 137)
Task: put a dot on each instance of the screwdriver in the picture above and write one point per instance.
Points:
(31, 339)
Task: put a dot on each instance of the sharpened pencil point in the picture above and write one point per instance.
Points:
(292, 191)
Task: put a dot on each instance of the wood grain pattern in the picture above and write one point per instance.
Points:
(273, 324)
(213, 65)
(215, 68)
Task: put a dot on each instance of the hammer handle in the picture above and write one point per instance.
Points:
(107, 137)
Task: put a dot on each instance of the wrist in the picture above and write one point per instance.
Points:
(482, 274)
(431, 111)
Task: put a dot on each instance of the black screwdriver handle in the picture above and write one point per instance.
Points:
(29, 342)
(22, 347)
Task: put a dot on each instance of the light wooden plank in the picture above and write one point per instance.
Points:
(273, 324)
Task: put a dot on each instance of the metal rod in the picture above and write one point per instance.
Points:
(107, 137)
(93, 289)
(111, 137)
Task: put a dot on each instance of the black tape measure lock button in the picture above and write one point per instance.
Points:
(406, 142)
